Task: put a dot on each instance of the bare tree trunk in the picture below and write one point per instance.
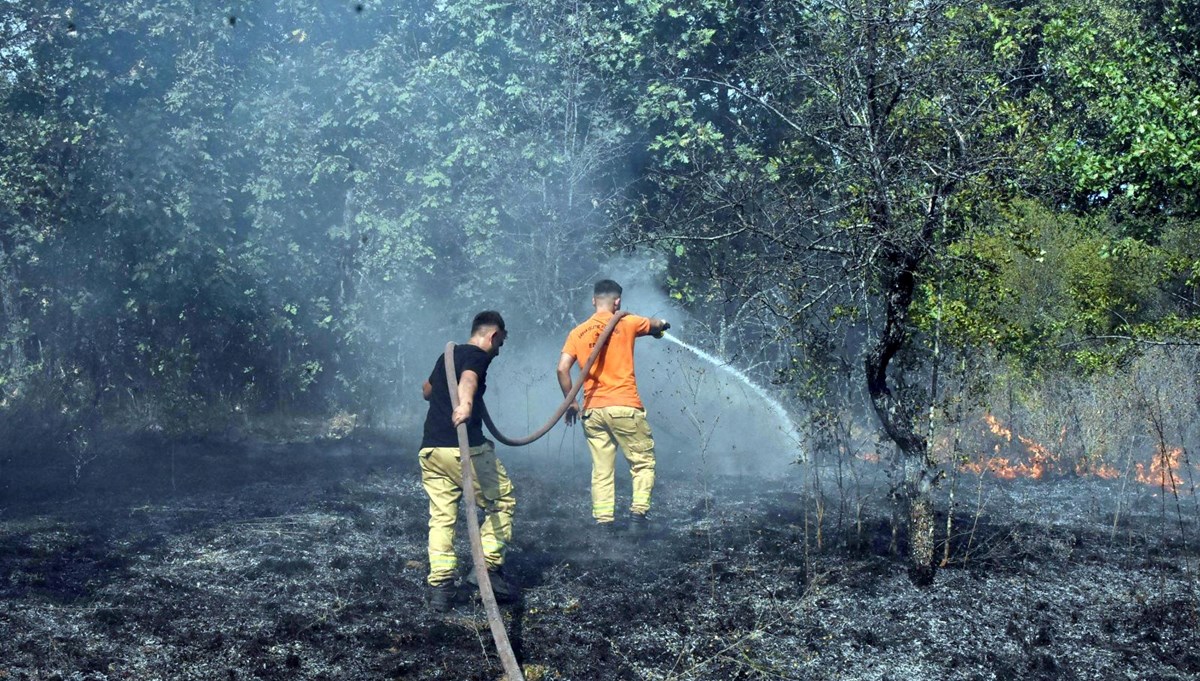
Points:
(14, 359)
(349, 260)
(895, 414)
(898, 422)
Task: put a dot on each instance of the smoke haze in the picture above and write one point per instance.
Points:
(702, 417)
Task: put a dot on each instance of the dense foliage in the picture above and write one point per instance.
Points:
(273, 207)
(264, 209)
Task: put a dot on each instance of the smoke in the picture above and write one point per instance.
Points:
(704, 419)
(360, 232)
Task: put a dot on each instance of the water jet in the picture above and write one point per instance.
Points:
(785, 421)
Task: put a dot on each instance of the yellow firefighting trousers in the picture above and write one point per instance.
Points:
(441, 475)
(605, 429)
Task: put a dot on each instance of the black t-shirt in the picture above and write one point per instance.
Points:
(439, 429)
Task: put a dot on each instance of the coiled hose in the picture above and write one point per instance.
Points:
(507, 658)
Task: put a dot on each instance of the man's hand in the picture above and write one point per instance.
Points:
(662, 325)
(461, 414)
(572, 415)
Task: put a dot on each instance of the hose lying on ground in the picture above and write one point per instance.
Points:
(499, 635)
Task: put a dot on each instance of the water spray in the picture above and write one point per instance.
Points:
(785, 421)
(500, 636)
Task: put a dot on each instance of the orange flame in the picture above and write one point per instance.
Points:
(1038, 460)
(1164, 470)
(997, 428)
(1084, 467)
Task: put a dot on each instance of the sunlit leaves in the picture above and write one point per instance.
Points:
(1128, 122)
(1043, 287)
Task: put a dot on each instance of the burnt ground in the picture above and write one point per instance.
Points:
(306, 561)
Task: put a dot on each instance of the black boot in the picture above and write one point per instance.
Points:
(639, 524)
(441, 596)
(505, 590)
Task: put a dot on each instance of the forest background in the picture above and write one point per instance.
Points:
(908, 216)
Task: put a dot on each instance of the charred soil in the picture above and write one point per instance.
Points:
(307, 561)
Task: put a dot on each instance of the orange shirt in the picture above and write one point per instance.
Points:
(611, 381)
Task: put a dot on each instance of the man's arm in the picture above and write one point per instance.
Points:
(467, 383)
(426, 391)
(565, 362)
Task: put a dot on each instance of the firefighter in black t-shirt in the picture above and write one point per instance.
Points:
(441, 469)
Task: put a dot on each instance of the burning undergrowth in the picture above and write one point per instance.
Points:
(1013, 455)
(272, 571)
(994, 450)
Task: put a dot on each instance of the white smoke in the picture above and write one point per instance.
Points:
(706, 415)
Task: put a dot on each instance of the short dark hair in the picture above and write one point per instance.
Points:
(607, 287)
(487, 318)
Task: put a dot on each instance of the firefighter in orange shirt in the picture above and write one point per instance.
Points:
(613, 414)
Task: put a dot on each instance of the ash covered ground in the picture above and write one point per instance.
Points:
(306, 561)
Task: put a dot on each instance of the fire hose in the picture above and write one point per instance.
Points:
(507, 658)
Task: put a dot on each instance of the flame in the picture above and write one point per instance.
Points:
(1165, 477)
(1016, 456)
(1038, 461)
(997, 428)
(1085, 467)
(1035, 460)
(1005, 468)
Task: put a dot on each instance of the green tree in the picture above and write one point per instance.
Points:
(1122, 94)
(266, 209)
(893, 123)
(1054, 291)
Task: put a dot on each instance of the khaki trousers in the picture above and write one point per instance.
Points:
(605, 429)
(441, 475)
